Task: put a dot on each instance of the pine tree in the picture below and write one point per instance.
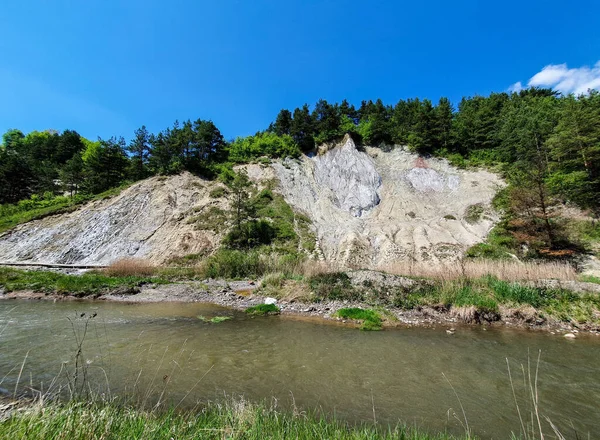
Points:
(302, 129)
(443, 123)
(139, 148)
(283, 123)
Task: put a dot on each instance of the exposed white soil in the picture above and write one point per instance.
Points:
(372, 208)
(149, 220)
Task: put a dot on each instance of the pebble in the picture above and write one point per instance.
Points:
(570, 336)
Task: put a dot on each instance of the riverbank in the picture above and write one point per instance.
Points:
(233, 419)
(400, 301)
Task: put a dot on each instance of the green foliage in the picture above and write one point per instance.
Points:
(218, 192)
(590, 279)
(98, 420)
(262, 144)
(79, 285)
(468, 295)
(211, 219)
(474, 213)
(263, 310)
(487, 251)
(334, 286)
(371, 320)
(253, 263)
(232, 264)
(515, 293)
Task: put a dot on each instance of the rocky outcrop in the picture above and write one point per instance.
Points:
(371, 208)
(148, 220)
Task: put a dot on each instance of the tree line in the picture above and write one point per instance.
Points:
(546, 145)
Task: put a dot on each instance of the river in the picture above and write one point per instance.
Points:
(418, 376)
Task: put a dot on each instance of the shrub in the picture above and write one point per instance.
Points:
(334, 286)
(218, 192)
(473, 213)
(251, 233)
(213, 219)
(232, 264)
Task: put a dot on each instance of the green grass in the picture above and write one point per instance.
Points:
(590, 279)
(252, 263)
(371, 320)
(263, 310)
(78, 285)
(233, 420)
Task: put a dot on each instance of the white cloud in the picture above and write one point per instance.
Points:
(516, 87)
(559, 77)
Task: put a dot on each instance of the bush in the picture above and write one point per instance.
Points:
(473, 213)
(233, 264)
(487, 251)
(245, 149)
(218, 192)
(250, 234)
(334, 286)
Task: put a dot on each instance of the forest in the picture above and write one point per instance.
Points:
(546, 146)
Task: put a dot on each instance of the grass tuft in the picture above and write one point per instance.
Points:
(371, 320)
(263, 310)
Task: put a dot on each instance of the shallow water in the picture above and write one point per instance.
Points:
(391, 376)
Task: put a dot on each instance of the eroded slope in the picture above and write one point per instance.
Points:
(147, 220)
(374, 207)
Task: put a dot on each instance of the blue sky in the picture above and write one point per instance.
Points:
(105, 67)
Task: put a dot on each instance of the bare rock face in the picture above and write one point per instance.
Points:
(351, 177)
(147, 220)
(373, 208)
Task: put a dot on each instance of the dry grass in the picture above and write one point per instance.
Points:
(130, 267)
(310, 268)
(504, 270)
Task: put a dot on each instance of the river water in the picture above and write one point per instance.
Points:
(418, 376)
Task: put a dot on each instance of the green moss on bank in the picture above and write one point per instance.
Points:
(263, 310)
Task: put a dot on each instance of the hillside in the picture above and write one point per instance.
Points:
(147, 220)
(374, 207)
(367, 208)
